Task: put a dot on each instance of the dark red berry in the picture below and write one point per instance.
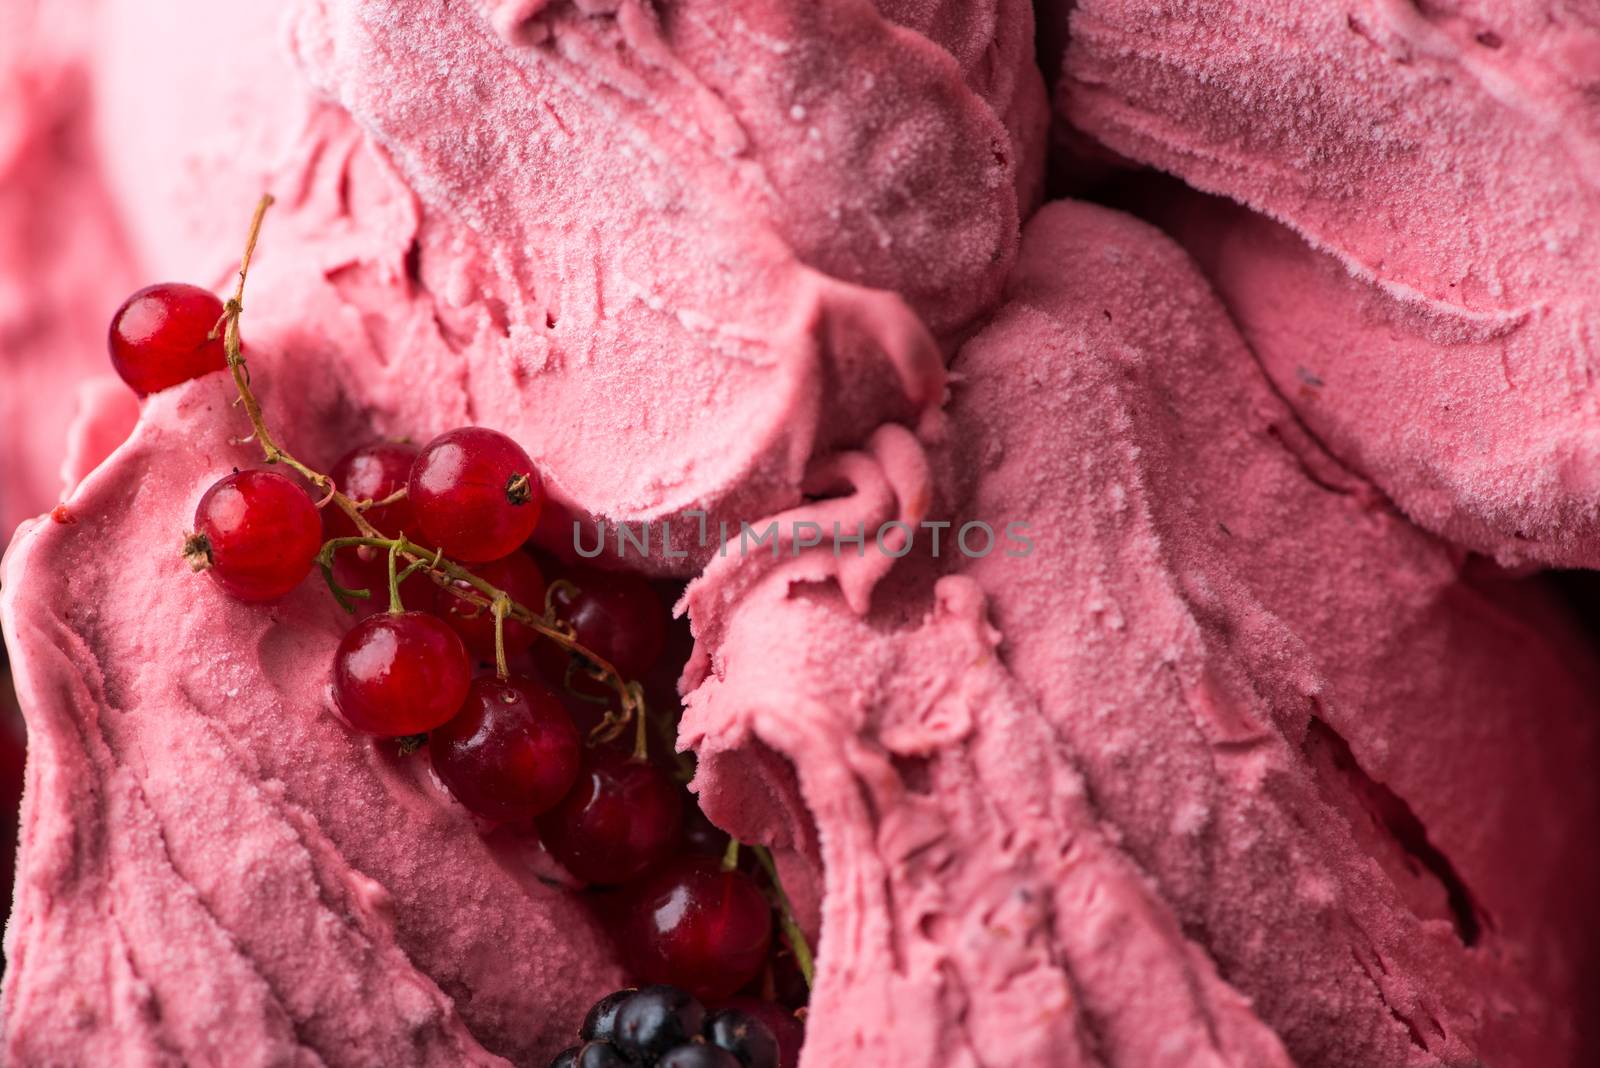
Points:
(700, 835)
(601, 1020)
(783, 982)
(743, 1035)
(616, 616)
(257, 533)
(520, 577)
(511, 752)
(567, 1058)
(475, 494)
(693, 924)
(698, 1055)
(554, 531)
(620, 818)
(784, 1025)
(401, 674)
(656, 1019)
(368, 569)
(374, 472)
(158, 337)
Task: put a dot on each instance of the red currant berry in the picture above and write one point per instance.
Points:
(617, 616)
(256, 533)
(159, 336)
(511, 752)
(374, 472)
(701, 836)
(519, 576)
(622, 817)
(475, 494)
(553, 532)
(699, 927)
(399, 674)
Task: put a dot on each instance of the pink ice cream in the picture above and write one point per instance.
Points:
(1436, 318)
(55, 221)
(1235, 767)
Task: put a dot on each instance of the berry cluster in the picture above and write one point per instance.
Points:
(435, 669)
(668, 1027)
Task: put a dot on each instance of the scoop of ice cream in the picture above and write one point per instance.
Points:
(631, 217)
(213, 862)
(1233, 756)
(1435, 323)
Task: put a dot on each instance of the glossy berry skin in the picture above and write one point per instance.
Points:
(601, 1055)
(620, 818)
(475, 494)
(656, 1019)
(511, 752)
(260, 533)
(158, 338)
(399, 674)
(693, 924)
(617, 616)
(744, 1036)
(698, 1055)
(784, 1026)
(554, 532)
(601, 1020)
(520, 577)
(374, 472)
(567, 1058)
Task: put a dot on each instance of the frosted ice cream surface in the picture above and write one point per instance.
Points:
(1250, 761)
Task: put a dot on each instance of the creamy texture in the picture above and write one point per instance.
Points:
(1233, 731)
(1438, 322)
(1237, 767)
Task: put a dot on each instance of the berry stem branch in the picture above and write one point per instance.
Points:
(444, 572)
(786, 919)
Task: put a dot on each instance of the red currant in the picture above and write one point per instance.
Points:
(520, 577)
(475, 494)
(257, 533)
(701, 836)
(622, 817)
(374, 472)
(398, 674)
(699, 927)
(511, 752)
(615, 615)
(553, 532)
(159, 337)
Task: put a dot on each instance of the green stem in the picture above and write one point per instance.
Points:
(786, 919)
(501, 603)
(730, 858)
(396, 606)
(445, 573)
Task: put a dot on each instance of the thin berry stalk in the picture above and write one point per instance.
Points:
(446, 573)
(786, 919)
